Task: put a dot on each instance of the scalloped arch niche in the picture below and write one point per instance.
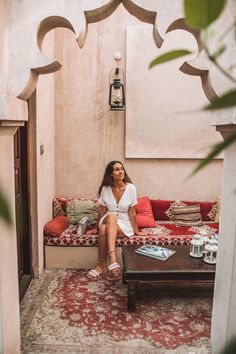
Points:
(163, 110)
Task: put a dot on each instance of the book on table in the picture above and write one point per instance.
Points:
(157, 252)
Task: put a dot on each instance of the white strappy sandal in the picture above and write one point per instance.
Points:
(93, 273)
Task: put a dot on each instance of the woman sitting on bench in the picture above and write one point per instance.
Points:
(117, 217)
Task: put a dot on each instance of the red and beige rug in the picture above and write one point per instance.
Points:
(65, 312)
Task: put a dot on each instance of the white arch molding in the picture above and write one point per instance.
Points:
(79, 26)
(44, 65)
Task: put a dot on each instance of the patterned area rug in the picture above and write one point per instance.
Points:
(64, 312)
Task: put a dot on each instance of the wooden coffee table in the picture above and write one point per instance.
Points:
(179, 270)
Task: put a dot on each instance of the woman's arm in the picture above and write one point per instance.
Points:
(133, 219)
(102, 211)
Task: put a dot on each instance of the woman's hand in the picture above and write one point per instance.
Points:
(141, 233)
(93, 231)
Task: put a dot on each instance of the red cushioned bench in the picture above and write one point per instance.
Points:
(63, 248)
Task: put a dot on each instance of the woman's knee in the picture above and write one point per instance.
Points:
(111, 219)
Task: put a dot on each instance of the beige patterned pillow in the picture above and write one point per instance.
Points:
(189, 215)
(77, 209)
(169, 211)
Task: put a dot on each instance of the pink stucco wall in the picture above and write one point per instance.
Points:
(88, 135)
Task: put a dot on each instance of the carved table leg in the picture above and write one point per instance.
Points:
(131, 298)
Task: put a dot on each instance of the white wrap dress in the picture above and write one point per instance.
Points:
(128, 199)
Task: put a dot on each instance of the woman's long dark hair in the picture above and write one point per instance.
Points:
(107, 178)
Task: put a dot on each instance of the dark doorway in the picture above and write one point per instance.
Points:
(25, 272)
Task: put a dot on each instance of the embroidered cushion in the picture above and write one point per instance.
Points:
(60, 204)
(187, 215)
(208, 209)
(56, 226)
(144, 213)
(77, 209)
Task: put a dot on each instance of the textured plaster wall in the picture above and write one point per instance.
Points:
(45, 137)
(88, 135)
(164, 117)
(3, 40)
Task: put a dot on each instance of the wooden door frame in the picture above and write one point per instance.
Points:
(32, 173)
(31, 157)
(23, 229)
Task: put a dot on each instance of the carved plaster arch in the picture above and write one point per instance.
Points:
(194, 67)
(44, 65)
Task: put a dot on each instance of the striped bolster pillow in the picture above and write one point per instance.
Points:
(187, 215)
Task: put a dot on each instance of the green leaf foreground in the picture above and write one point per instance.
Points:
(201, 13)
(214, 152)
(225, 101)
(173, 54)
(230, 348)
(5, 213)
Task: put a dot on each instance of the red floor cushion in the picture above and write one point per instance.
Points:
(56, 226)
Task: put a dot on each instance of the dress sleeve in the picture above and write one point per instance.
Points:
(101, 199)
(133, 196)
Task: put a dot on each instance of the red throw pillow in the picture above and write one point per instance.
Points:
(144, 213)
(160, 207)
(56, 226)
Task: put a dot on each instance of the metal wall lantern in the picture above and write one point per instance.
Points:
(116, 90)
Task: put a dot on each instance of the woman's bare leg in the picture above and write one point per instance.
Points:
(102, 244)
(108, 233)
(112, 231)
(111, 236)
(102, 250)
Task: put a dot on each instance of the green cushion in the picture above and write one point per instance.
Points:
(77, 209)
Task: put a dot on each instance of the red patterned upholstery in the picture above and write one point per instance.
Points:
(162, 208)
(164, 233)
